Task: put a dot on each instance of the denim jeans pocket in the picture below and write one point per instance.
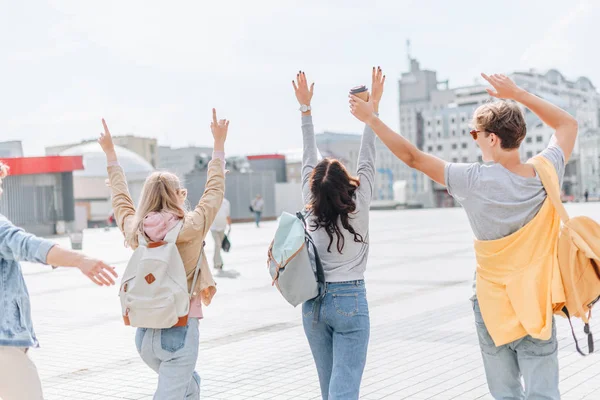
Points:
(139, 338)
(173, 339)
(346, 304)
(540, 348)
(308, 308)
(486, 343)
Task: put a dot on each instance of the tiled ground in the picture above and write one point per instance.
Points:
(423, 343)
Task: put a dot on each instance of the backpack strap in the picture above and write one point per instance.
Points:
(171, 236)
(197, 271)
(549, 178)
(320, 270)
(586, 330)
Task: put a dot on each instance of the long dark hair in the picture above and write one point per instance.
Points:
(332, 190)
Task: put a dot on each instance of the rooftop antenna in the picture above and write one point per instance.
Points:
(408, 52)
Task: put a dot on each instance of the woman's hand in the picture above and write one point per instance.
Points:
(107, 144)
(303, 93)
(377, 81)
(362, 110)
(219, 130)
(504, 87)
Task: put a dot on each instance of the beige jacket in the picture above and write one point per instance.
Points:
(195, 227)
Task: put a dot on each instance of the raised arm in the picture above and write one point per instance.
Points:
(310, 155)
(430, 165)
(367, 155)
(122, 202)
(16, 244)
(207, 208)
(556, 118)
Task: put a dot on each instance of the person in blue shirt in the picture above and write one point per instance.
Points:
(18, 375)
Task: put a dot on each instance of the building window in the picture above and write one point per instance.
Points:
(429, 135)
(440, 148)
(428, 123)
(439, 134)
(539, 139)
(528, 140)
(464, 145)
(529, 154)
(439, 122)
(453, 132)
(455, 160)
(480, 159)
(465, 159)
(464, 132)
(454, 146)
(430, 149)
(452, 120)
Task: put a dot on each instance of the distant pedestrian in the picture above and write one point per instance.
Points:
(586, 195)
(220, 224)
(19, 378)
(516, 229)
(258, 205)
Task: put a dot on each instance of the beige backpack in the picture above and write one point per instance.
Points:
(578, 259)
(154, 290)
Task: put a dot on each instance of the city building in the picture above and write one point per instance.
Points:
(144, 147)
(269, 162)
(589, 141)
(183, 160)
(38, 193)
(90, 189)
(11, 149)
(293, 165)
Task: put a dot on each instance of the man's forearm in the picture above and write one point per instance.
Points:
(61, 257)
(550, 114)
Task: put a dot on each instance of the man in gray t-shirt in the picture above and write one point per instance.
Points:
(499, 199)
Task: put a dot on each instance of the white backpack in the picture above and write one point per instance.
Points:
(154, 290)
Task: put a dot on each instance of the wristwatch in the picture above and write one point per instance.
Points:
(304, 108)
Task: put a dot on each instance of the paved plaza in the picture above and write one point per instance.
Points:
(423, 341)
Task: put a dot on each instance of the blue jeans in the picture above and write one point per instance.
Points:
(533, 359)
(172, 353)
(257, 216)
(340, 338)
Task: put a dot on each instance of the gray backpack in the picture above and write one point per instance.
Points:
(296, 272)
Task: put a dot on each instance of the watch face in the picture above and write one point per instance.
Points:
(304, 108)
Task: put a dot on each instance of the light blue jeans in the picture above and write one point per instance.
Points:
(534, 360)
(340, 338)
(172, 353)
(257, 217)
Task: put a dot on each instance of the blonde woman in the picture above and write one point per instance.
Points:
(172, 352)
(19, 378)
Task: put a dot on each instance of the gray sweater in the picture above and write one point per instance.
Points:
(351, 264)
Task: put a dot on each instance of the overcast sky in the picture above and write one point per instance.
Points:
(155, 68)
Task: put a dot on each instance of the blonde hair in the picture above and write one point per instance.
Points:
(3, 170)
(161, 192)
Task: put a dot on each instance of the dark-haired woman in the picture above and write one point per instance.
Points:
(338, 206)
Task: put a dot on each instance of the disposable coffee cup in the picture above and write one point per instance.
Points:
(362, 92)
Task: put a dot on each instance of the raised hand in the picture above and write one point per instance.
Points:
(504, 87)
(105, 140)
(363, 110)
(303, 93)
(98, 272)
(219, 131)
(377, 81)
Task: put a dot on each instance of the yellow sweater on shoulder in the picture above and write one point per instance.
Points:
(519, 287)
